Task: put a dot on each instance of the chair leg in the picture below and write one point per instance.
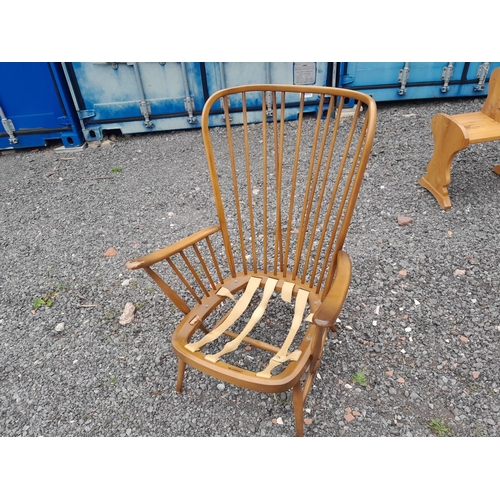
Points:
(298, 409)
(319, 345)
(449, 138)
(496, 169)
(180, 374)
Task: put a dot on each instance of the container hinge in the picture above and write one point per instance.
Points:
(446, 77)
(64, 120)
(9, 127)
(346, 79)
(482, 73)
(114, 65)
(86, 113)
(269, 103)
(145, 108)
(189, 107)
(404, 76)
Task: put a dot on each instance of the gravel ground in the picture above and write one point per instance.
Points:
(421, 319)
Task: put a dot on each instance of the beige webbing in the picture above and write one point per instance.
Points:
(195, 320)
(224, 292)
(256, 316)
(286, 291)
(283, 355)
(238, 309)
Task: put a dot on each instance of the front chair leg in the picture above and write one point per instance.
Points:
(180, 374)
(298, 408)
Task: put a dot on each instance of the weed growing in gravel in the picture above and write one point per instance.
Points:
(281, 400)
(115, 170)
(360, 378)
(479, 431)
(474, 388)
(43, 301)
(439, 427)
(110, 314)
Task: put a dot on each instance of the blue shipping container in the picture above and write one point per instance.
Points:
(151, 96)
(220, 75)
(36, 106)
(394, 81)
(136, 97)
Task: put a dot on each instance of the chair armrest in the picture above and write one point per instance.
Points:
(328, 311)
(165, 253)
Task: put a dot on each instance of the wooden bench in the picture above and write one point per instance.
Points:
(456, 132)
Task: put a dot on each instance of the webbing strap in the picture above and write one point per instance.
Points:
(256, 316)
(238, 309)
(286, 291)
(283, 355)
(224, 292)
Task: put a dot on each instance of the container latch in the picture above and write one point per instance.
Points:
(269, 103)
(9, 127)
(223, 86)
(482, 73)
(446, 77)
(188, 100)
(189, 107)
(221, 101)
(145, 108)
(144, 105)
(404, 76)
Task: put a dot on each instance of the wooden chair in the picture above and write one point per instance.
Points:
(456, 132)
(285, 184)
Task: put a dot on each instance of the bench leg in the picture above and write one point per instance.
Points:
(449, 138)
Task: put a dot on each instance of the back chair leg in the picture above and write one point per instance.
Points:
(449, 139)
(180, 374)
(298, 408)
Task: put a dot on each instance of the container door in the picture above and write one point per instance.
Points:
(220, 75)
(407, 80)
(136, 97)
(35, 106)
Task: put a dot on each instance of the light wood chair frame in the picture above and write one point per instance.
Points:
(294, 269)
(454, 133)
